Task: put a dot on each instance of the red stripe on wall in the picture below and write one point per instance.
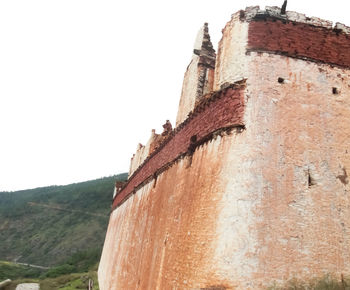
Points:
(222, 110)
(300, 40)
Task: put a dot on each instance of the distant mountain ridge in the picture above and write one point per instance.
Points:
(47, 225)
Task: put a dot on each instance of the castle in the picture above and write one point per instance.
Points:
(251, 187)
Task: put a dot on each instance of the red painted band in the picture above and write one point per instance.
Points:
(300, 40)
(223, 109)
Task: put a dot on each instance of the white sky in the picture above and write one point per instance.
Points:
(83, 82)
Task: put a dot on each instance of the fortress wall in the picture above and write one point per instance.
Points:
(303, 129)
(164, 236)
(286, 207)
(247, 207)
(243, 213)
(294, 35)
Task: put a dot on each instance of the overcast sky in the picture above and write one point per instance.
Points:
(83, 82)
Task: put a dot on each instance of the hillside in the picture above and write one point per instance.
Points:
(46, 226)
(24, 274)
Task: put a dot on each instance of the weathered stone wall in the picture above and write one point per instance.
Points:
(265, 202)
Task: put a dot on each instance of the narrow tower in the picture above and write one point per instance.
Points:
(199, 75)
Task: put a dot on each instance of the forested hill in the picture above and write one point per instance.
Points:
(46, 226)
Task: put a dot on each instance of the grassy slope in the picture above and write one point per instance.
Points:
(33, 231)
(12, 271)
(24, 274)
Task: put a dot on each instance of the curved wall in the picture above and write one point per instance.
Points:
(164, 236)
(253, 205)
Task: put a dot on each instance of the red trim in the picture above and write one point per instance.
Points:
(300, 40)
(221, 110)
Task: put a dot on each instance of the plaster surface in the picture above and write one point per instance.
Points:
(251, 207)
(164, 236)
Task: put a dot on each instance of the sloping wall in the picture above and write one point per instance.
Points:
(221, 111)
(299, 205)
(253, 188)
(165, 235)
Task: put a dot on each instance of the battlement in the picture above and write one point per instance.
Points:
(143, 151)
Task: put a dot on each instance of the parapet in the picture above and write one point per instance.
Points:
(143, 151)
(250, 31)
(268, 31)
(222, 112)
(295, 35)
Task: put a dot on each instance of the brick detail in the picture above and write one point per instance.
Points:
(221, 110)
(300, 40)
